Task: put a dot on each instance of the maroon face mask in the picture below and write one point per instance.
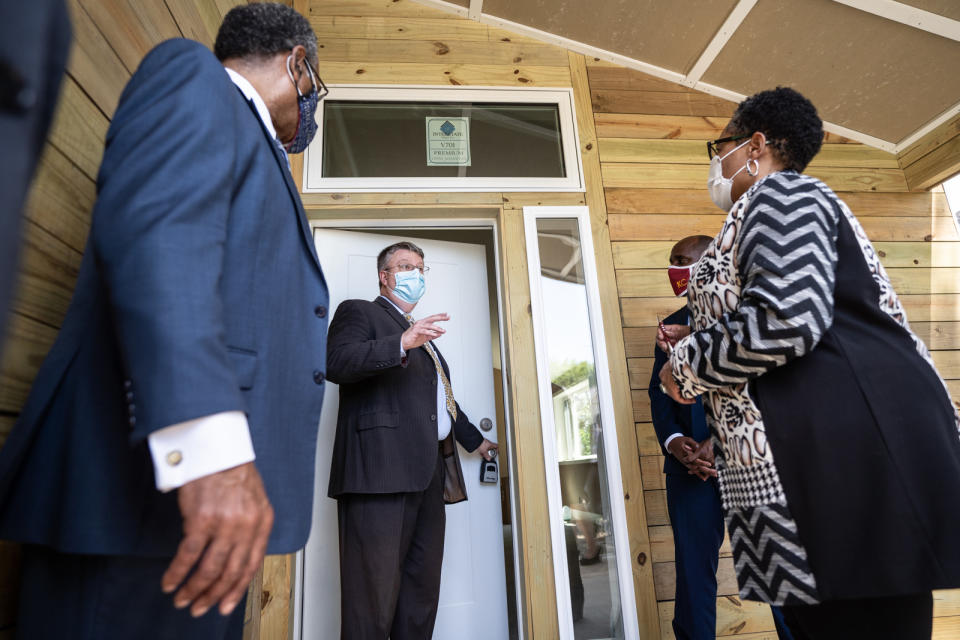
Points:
(679, 278)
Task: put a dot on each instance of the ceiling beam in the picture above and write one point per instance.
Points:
(476, 8)
(720, 39)
(910, 16)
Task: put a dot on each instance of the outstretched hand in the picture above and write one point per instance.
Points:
(227, 520)
(423, 330)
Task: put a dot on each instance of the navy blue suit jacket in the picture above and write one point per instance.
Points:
(199, 292)
(670, 417)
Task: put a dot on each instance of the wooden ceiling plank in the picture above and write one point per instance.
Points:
(931, 140)
(723, 35)
(910, 16)
(448, 7)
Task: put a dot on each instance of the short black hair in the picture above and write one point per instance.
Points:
(263, 29)
(788, 120)
(392, 249)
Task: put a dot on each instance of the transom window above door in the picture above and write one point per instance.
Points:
(449, 139)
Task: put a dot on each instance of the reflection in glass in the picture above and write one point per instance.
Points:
(388, 140)
(587, 522)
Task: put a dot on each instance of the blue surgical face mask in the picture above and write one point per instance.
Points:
(410, 286)
(307, 122)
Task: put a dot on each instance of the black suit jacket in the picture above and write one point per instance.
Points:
(386, 438)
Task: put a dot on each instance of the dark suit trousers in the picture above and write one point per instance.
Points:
(391, 552)
(84, 597)
(697, 520)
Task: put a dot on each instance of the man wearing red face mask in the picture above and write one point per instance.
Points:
(693, 498)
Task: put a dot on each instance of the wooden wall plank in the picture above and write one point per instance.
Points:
(625, 227)
(930, 142)
(947, 628)
(681, 176)
(942, 307)
(938, 335)
(605, 75)
(655, 505)
(198, 19)
(932, 280)
(275, 601)
(660, 102)
(651, 468)
(641, 370)
(445, 74)
(935, 167)
(919, 255)
(377, 8)
(697, 200)
(93, 62)
(79, 128)
(647, 443)
(439, 52)
(520, 200)
(946, 602)
(734, 617)
(398, 28)
(643, 312)
(641, 341)
(636, 125)
(665, 579)
(132, 27)
(48, 272)
(948, 364)
(695, 152)
(61, 199)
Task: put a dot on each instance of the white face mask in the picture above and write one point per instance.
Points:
(721, 188)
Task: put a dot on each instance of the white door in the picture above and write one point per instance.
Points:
(473, 601)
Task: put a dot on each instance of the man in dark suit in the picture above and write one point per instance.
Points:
(34, 43)
(693, 499)
(395, 462)
(191, 358)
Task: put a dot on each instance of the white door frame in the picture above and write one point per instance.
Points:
(386, 225)
(628, 603)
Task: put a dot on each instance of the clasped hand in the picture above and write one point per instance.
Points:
(697, 457)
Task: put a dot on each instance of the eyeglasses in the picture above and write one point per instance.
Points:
(712, 149)
(321, 88)
(409, 267)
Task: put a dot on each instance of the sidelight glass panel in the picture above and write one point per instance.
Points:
(581, 464)
(365, 139)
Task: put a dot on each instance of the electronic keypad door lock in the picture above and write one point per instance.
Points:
(489, 474)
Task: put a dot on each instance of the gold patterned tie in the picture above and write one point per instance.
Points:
(447, 389)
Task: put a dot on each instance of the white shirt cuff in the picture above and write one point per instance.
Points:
(666, 443)
(189, 450)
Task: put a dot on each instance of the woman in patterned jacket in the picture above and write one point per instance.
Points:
(836, 441)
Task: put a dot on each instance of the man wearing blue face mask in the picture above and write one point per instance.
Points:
(168, 441)
(395, 462)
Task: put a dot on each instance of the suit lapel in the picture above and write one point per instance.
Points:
(291, 186)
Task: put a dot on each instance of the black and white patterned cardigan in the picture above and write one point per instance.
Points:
(760, 297)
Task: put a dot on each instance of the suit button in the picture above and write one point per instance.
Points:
(433, 416)
(132, 408)
(321, 312)
(318, 377)
(132, 421)
(129, 396)
(433, 383)
(127, 384)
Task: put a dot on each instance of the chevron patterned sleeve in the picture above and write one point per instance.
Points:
(786, 257)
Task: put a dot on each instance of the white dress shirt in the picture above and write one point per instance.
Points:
(189, 450)
(444, 421)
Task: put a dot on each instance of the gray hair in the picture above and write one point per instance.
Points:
(263, 29)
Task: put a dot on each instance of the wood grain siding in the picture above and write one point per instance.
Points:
(934, 157)
(652, 151)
